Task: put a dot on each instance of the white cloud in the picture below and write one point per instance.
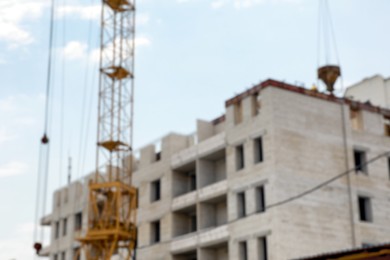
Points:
(12, 168)
(14, 35)
(74, 50)
(218, 4)
(14, 13)
(247, 3)
(85, 12)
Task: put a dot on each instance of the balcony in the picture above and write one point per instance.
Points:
(184, 179)
(214, 190)
(204, 148)
(213, 213)
(184, 243)
(185, 221)
(46, 220)
(184, 157)
(215, 143)
(184, 201)
(218, 251)
(207, 238)
(214, 236)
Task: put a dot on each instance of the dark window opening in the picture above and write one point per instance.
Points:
(258, 149)
(260, 199)
(193, 223)
(360, 159)
(243, 250)
(155, 236)
(57, 229)
(64, 226)
(241, 204)
(262, 245)
(388, 166)
(240, 164)
(158, 156)
(387, 126)
(365, 210)
(63, 255)
(192, 180)
(78, 221)
(156, 190)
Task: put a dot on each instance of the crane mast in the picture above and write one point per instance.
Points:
(112, 198)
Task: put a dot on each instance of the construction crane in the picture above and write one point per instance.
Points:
(112, 198)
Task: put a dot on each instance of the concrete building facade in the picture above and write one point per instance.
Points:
(231, 191)
(375, 89)
(67, 221)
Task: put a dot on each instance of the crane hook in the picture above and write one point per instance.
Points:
(37, 247)
(45, 139)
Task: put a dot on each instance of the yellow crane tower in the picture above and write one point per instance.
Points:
(112, 198)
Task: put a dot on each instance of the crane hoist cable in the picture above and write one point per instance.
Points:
(43, 164)
(84, 123)
(62, 101)
(329, 68)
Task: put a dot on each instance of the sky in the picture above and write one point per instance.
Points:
(191, 55)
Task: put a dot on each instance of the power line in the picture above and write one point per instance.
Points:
(298, 196)
(319, 186)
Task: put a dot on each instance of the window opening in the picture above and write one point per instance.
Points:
(360, 159)
(241, 204)
(238, 112)
(78, 221)
(193, 223)
(262, 245)
(365, 210)
(57, 229)
(64, 226)
(240, 163)
(387, 125)
(243, 250)
(260, 199)
(192, 180)
(258, 149)
(155, 232)
(156, 190)
(356, 119)
(256, 104)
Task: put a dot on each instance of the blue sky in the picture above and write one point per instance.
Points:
(191, 56)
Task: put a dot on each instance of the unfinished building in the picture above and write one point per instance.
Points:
(375, 89)
(229, 191)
